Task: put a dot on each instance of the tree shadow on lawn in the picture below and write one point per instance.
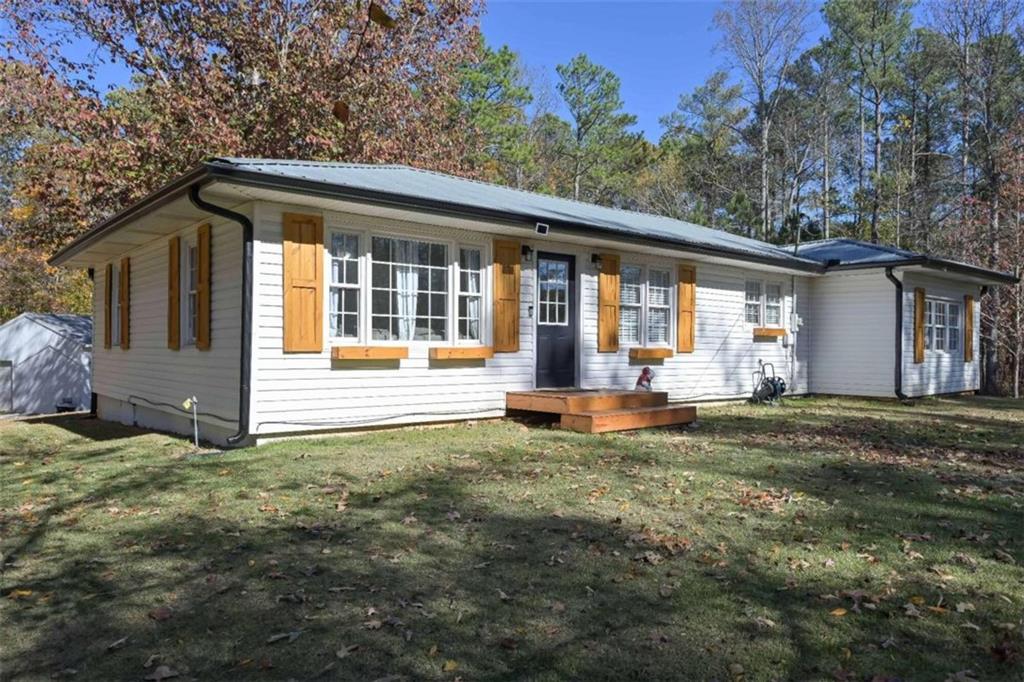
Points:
(430, 580)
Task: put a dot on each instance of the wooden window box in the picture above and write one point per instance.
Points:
(369, 352)
(768, 332)
(461, 353)
(650, 353)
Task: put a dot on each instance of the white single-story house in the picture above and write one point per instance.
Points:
(292, 297)
(45, 363)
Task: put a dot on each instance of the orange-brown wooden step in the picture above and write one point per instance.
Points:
(629, 418)
(564, 402)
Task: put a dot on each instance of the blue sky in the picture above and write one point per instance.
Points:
(658, 49)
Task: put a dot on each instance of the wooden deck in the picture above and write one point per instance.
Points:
(603, 410)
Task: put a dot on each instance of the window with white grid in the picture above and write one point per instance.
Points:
(344, 295)
(631, 301)
(942, 325)
(553, 279)
(408, 290)
(752, 308)
(773, 304)
(659, 306)
(645, 306)
(470, 293)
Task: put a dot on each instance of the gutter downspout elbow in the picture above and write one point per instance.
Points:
(245, 351)
(898, 365)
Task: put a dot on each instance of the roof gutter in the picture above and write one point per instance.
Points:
(898, 365)
(936, 264)
(230, 173)
(245, 354)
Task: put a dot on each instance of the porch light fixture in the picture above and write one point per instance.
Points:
(527, 253)
(595, 258)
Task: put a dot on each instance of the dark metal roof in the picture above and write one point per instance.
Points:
(852, 254)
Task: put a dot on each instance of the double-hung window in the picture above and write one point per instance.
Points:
(645, 306)
(344, 298)
(470, 313)
(762, 303)
(115, 305)
(190, 275)
(942, 325)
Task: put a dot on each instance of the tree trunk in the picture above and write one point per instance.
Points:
(825, 190)
(765, 215)
(877, 168)
(860, 160)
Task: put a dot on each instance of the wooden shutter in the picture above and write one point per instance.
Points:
(303, 252)
(918, 325)
(968, 329)
(686, 324)
(203, 288)
(107, 294)
(506, 296)
(608, 304)
(174, 293)
(124, 294)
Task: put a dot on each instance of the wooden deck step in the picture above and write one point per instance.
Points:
(629, 418)
(563, 402)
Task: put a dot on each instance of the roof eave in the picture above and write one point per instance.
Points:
(931, 263)
(150, 202)
(229, 172)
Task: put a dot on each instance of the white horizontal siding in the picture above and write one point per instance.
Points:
(725, 355)
(148, 371)
(852, 318)
(941, 372)
(306, 391)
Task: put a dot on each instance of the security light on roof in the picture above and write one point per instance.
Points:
(542, 228)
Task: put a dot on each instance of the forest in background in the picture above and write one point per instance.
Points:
(903, 124)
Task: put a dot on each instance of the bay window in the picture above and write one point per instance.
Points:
(404, 289)
(645, 306)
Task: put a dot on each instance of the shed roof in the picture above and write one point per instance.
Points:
(75, 327)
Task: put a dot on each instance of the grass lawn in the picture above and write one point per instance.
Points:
(826, 539)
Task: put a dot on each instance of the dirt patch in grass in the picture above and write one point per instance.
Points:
(826, 539)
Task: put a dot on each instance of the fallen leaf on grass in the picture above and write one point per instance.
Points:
(160, 613)
(151, 660)
(373, 624)
(162, 672)
(838, 612)
(450, 666)
(290, 636)
(964, 606)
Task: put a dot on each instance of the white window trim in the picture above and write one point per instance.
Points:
(329, 282)
(115, 305)
(187, 333)
(929, 329)
(645, 283)
(452, 244)
(763, 322)
(568, 293)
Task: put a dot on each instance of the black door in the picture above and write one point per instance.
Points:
(556, 320)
